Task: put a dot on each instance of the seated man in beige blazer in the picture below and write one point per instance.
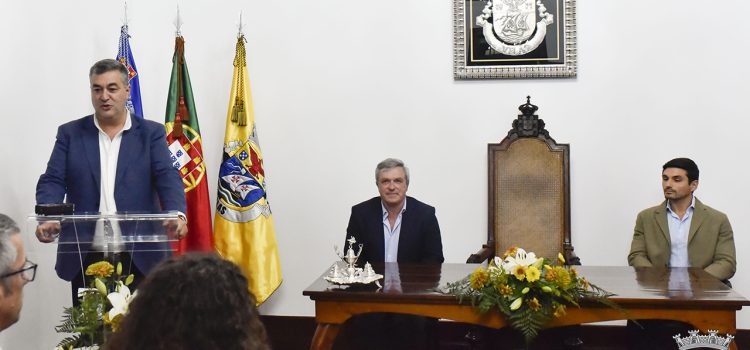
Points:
(679, 232)
(682, 231)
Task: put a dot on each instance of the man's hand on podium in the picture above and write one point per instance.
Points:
(176, 228)
(47, 231)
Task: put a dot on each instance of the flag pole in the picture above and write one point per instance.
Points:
(239, 29)
(125, 21)
(178, 22)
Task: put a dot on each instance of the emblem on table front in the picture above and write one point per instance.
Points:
(695, 341)
(351, 274)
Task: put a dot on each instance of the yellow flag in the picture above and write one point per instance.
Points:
(243, 225)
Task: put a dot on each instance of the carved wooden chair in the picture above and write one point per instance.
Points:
(529, 192)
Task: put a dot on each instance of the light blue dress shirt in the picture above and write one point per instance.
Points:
(679, 229)
(391, 234)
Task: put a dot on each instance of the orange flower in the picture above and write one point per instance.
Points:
(100, 269)
(478, 278)
(534, 304)
(510, 252)
(559, 276)
(504, 289)
(559, 311)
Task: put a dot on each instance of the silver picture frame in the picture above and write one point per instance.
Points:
(514, 39)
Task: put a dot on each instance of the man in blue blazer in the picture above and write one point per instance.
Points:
(394, 227)
(109, 162)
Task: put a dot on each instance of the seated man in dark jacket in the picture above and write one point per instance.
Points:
(393, 228)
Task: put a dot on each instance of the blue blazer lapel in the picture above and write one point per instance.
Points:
(130, 149)
(90, 142)
(404, 238)
(376, 228)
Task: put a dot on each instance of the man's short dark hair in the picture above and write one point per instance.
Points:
(686, 164)
(108, 65)
(8, 251)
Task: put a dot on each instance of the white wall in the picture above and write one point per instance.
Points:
(340, 85)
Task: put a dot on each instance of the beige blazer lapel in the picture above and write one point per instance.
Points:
(699, 215)
(660, 215)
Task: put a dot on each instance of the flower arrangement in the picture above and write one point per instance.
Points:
(101, 307)
(528, 290)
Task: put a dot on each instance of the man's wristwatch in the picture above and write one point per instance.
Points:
(182, 216)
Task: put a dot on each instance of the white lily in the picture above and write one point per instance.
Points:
(522, 258)
(120, 299)
(498, 261)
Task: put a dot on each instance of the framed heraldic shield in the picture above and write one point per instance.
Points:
(514, 39)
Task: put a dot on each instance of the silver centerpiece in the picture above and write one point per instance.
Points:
(351, 274)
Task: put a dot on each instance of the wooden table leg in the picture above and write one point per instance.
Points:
(324, 336)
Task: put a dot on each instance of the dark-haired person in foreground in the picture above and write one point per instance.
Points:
(196, 301)
(15, 272)
(109, 162)
(679, 232)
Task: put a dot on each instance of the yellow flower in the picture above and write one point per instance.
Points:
(100, 269)
(559, 311)
(573, 272)
(533, 274)
(478, 278)
(560, 258)
(510, 252)
(114, 322)
(585, 283)
(520, 272)
(534, 304)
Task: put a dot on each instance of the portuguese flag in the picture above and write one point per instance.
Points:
(186, 146)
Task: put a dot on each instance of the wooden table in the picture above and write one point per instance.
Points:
(685, 294)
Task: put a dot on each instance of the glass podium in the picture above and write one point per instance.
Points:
(144, 238)
(82, 233)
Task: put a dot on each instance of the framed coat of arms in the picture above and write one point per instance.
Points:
(514, 39)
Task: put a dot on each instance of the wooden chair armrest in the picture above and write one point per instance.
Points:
(571, 258)
(482, 255)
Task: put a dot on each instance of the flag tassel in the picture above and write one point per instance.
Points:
(177, 127)
(236, 109)
(242, 116)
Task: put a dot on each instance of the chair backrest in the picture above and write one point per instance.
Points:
(529, 193)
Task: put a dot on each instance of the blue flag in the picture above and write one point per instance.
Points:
(125, 56)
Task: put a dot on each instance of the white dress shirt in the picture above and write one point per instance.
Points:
(109, 151)
(679, 229)
(391, 234)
